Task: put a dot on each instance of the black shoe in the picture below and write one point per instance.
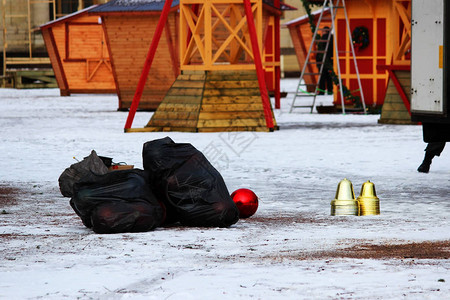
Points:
(424, 167)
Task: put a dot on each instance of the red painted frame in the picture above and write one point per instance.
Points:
(277, 56)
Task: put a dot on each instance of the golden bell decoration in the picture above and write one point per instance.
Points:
(369, 204)
(345, 203)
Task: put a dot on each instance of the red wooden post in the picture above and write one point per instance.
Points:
(148, 63)
(277, 56)
(258, 64)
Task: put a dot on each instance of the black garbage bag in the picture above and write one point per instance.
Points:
(192, 190)
(90, 165)
(119, 201)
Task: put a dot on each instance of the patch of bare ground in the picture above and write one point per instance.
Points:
(417, 250)
(288, 219)
(283, 220)
(268, 221)
(8, 195)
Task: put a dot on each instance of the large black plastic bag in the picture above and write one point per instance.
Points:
(91, 165)
(119, 201)
(192, 190)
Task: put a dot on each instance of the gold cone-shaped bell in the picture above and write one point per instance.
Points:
(345, 203)
(369, 204)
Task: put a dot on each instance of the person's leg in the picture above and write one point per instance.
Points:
(329, 84)
(433, 149)
(322, 83)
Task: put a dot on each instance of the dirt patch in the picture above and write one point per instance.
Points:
(282, 220)
(8, 195)
(286, 220)
(422, 250)
(269, 221)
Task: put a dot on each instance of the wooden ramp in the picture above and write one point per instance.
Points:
(210, 101)
(397, 99)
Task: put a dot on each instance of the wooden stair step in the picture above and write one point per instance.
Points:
(183, 99)
(185, 91)
(171, 115)
(231, 84)
(171, 123)
(231, 115)
(231, 123)
(187, 107)
(188, 84)
(235, 76)
(194, 77)
(231, 92)
(231, 100)
(231, 107)
(193, 72)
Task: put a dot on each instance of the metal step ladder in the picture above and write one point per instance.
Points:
(301, 93)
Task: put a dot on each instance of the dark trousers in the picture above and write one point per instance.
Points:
(435, 148)
(325, 83)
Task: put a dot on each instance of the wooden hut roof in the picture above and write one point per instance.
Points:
(68, 17)
(283, 6)
(155, 5)
(133, 6)
(305, 19)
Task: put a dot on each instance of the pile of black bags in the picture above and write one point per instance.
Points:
(177, 185)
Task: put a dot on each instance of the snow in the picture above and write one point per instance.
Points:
(47, 253)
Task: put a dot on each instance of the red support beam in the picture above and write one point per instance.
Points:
(172, 51)
(258, 64)
(148, 63)
(396, 82)
(277, 56)
(400, 90)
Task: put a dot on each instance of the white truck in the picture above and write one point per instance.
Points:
(430, 68)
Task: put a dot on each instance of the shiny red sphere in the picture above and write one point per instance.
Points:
(246, 201)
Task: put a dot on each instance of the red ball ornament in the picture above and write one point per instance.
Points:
(246, 201)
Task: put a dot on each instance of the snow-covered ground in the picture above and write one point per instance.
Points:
(290, 249)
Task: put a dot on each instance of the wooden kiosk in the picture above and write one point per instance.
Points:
(223, 84)
(129, 27)
(77, 50)
(387, 24)
(397, 101)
